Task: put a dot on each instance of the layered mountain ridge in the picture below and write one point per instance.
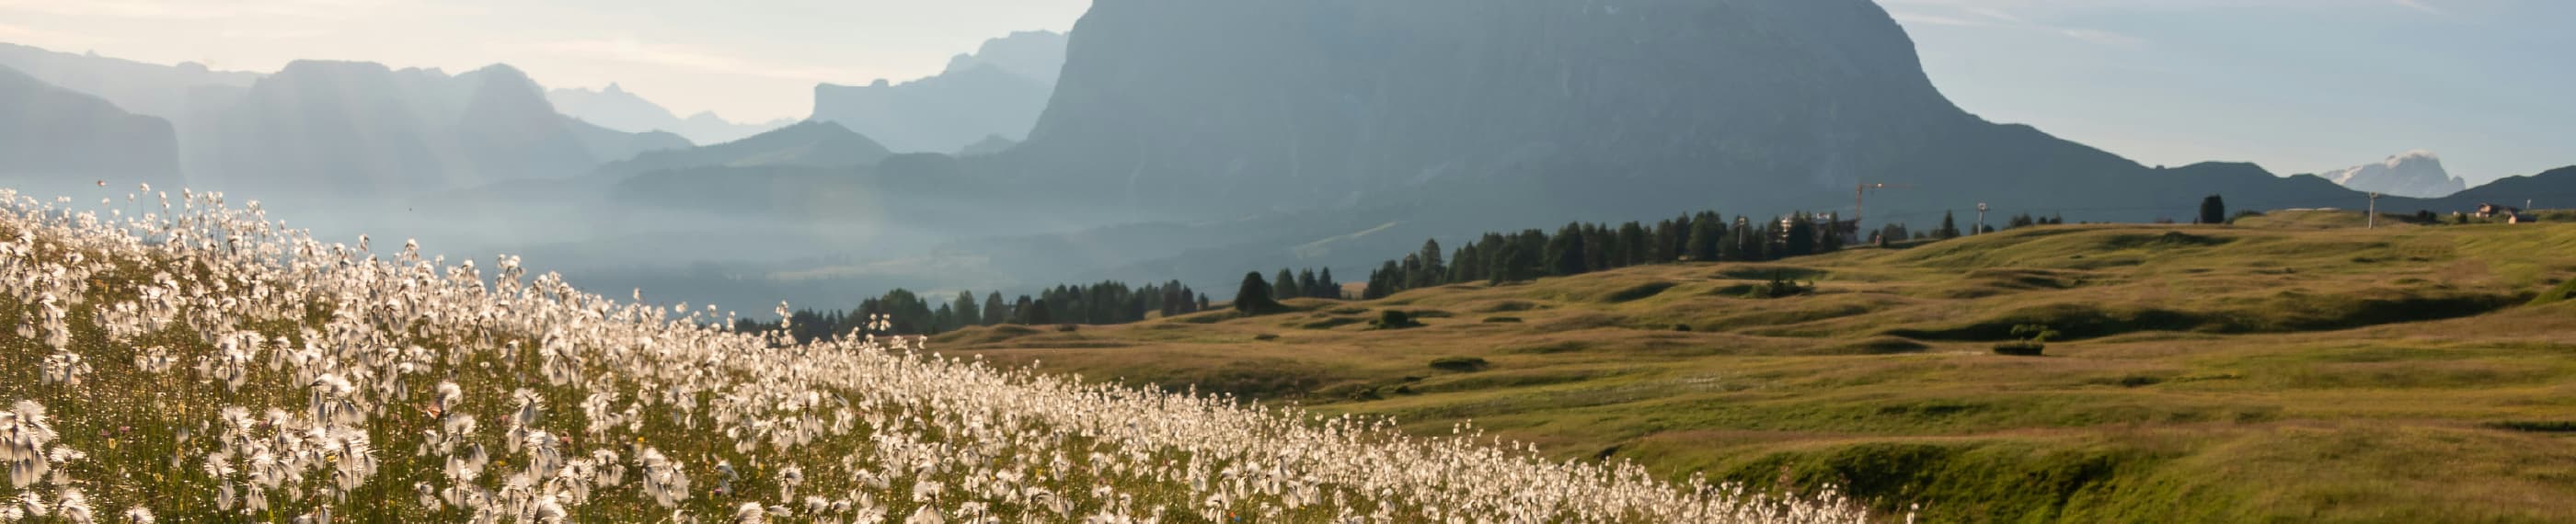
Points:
(2415, 173)
(616, 108)
(49, 131)
(997, 91)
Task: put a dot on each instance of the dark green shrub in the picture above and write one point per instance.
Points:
(2536, 426)
(1780, 287)
(1460, 364)
(1395, 319)
(2031, 340)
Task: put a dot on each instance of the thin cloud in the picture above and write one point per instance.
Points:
(58, 40)
(1955, 13)
(197, 10)
(690, 58)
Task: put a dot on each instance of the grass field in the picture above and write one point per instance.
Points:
(2291, 368)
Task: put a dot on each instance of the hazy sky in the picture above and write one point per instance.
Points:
(745, 60)
(2298, 86)
(2295, 85)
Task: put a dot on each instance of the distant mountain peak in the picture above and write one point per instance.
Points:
(1000, 89)
(2417, 173)
(614, 107)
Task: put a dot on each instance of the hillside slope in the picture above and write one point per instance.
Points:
(157, 373)
(47, 132)
(2258, 374)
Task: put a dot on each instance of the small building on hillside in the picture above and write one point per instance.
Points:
(2496, 210)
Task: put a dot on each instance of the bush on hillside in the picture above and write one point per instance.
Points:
(1780, 287)
(2031, 339)
(1395, 319)
(1460, 364)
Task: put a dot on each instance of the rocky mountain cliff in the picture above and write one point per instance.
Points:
(997, 91)
(1546, 111)
(148, 89)
(364, 129)
(2416, 173)
(53, 134)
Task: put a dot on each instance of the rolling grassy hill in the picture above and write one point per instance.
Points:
(2285, 369)
(202, 364)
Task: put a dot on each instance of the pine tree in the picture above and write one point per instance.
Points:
(1284, 286)
(1254, 296)
(995, 313)
(1830, 239)
(1799, 238)
(1433, 268)
(1706, 242)
(1041, 313)
(1661, 250)
(967, 313)
(2213, 210)
(1565, 255)
(1949, 227)
(1024, 311)
(1308, 286)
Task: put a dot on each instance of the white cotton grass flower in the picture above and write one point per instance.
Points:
(24, 433)
(73, 506)
(240, 313)
(138, 515)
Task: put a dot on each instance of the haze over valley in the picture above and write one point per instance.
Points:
(1665, 231)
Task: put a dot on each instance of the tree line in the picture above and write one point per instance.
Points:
(1495, 257)
(1578, 248)
(908, 313)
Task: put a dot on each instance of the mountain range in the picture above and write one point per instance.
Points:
(997, 91)
(49, 131)
(615, 108)
(360, 128)
(1517, 109)
(2416, 173)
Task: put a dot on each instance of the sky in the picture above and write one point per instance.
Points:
(2297, 86)
(751, 60)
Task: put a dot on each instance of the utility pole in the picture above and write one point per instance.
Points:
(2374, 210)
(1859, 191)
(1981, 220)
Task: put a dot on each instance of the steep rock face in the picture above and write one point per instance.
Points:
(358, 128)
(147, 89)
(1000, 90)
(57, 134)
(2412, 174)
(1542, 110)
